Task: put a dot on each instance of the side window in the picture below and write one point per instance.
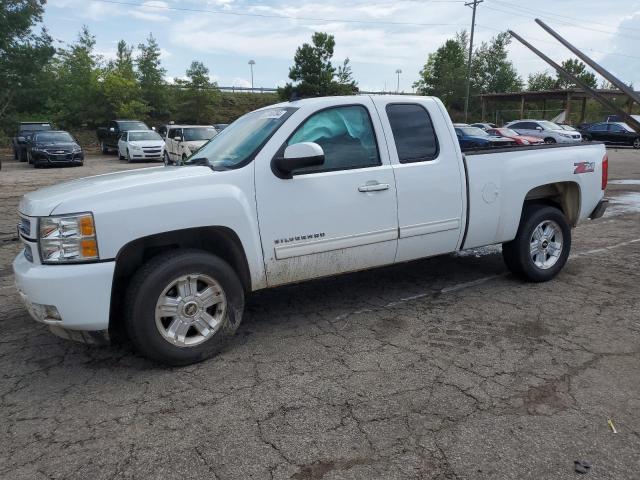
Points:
(346, 136)
(413, 132)
(529, 126)
(172, 133)
(615, 128)
(600, 127)
(123, 137)
(519, 125)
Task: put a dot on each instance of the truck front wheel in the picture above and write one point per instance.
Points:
(542, 244)
(182, 307)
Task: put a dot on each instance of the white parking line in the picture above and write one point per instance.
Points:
(473, 283)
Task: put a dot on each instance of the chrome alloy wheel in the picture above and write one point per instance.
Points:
(190, 310)
(545, 245)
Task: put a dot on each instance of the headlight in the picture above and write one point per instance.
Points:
(136, 147)
(38, 148)
(566, 135)
(526, 142)
(68, 238)
(77, 149)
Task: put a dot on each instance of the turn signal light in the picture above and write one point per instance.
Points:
(86, 226)
(605, 171)
(89, 248)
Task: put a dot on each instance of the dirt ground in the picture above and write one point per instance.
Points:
(442, 368)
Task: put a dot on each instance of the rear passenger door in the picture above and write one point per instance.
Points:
(429, 177)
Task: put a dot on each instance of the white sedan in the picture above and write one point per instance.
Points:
(140, 145)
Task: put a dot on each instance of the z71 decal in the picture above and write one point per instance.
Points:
(584, 167)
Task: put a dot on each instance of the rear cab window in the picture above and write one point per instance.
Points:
(413, 132)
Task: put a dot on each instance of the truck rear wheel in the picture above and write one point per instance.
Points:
(542, 245)
(182, 307)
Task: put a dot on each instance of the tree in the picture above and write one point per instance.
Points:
(23, 54)
(444, 73)
(153, 87)
(197, 95)
(314, 73)
(579, 70)
(79, 94)
(492, 71)
(540, 81)
(120, 85)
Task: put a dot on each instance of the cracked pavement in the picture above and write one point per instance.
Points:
(446, 368)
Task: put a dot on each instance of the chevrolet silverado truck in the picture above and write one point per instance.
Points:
(108, 137)
(287, 193)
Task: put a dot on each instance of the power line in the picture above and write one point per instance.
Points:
(547, 14)
(564, 22)
(282, 17)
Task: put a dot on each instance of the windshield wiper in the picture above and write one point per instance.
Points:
(199, 161)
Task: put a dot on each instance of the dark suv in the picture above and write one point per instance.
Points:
(25, 130)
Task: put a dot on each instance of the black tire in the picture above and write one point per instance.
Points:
(550, 140)
(516, 253)
(103, 148)
(22, 155)
(120, 157)
(586, 138)
(128, 157)
(636, 143)
(165, 159)
(147, 285)
(15, 154)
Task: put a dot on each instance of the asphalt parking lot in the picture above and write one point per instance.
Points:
(442, 368)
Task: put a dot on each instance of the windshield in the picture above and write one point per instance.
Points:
(549, 125)
(150, 135)
(195, 134)
(239, 142)
(507, 132)
(132, 126)
(30, 127)
(53, 137)
(567, 127)
(474, 132)
(626, 127)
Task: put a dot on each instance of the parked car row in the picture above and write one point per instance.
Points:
(617, 133)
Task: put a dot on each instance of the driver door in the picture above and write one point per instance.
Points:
(337, 217)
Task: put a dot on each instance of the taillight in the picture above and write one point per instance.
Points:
(605, 171)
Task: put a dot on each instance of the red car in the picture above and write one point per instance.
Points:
(519, 139)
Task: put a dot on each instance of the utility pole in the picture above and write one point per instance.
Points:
(398, 72)
(473, 4)
(251, 64)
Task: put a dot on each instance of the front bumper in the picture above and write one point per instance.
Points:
(68, 158)
(600, 209)
(80, 293)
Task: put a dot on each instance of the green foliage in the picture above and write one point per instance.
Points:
(491, 70)
(153, 87)
(445, 72)
(121, 89)
(579, 70)
(23, 54)
(76, 74)
(196, 96)
(314, 73)
(540, 81)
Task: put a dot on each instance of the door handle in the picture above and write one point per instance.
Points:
(373, 187)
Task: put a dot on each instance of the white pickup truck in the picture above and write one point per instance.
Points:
(287, 193)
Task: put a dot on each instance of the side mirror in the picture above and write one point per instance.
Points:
(153, 128)
(111, 129)
(539, 129)
(177, 138)
(296, 156)
(21, 139)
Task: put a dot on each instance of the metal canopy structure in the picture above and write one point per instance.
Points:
(566, 96)
(583, 86)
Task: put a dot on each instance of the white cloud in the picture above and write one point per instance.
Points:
(151, 11)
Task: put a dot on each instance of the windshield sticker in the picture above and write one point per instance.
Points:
(275, 114)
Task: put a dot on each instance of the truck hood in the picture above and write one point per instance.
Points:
(82, 194)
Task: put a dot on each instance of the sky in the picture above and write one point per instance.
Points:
(378, 36)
